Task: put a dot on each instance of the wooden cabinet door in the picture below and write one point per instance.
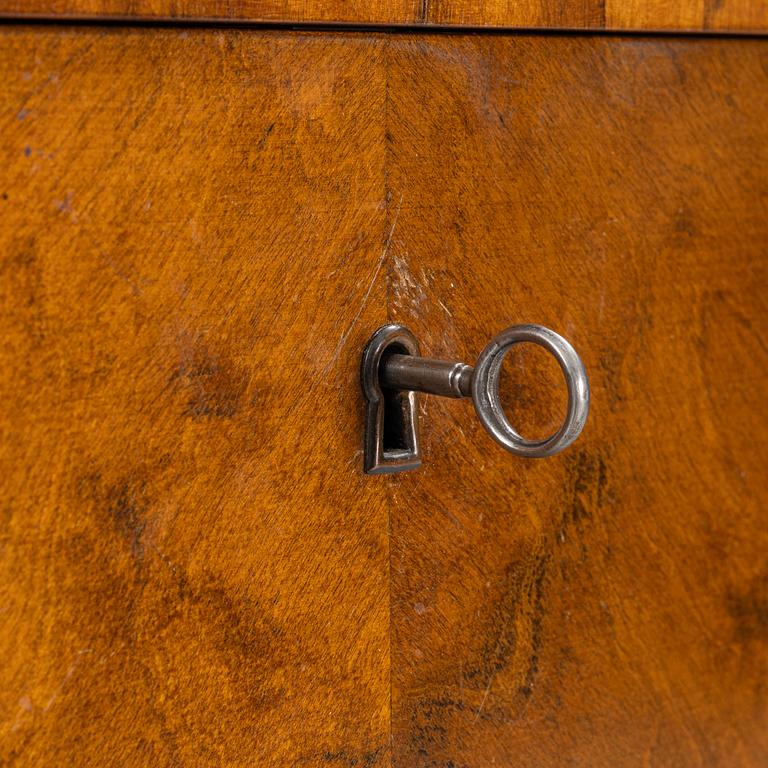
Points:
(199, 231)
(193, 568)
(607, 606)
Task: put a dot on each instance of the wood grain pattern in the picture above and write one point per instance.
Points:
(608, 606)
(681, 15)
(193, 570)
(198, 232)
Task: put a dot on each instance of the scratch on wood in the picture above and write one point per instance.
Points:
(376, 271)
(65, 679)
(485, 696)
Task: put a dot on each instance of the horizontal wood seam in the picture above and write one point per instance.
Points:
(353, 27)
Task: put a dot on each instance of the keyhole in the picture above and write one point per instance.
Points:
(397, 432)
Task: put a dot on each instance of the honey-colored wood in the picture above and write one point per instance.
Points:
(198, 232)
(681, 15)
(193, 569)
(302, 11)
(744, 16)
(608, 606)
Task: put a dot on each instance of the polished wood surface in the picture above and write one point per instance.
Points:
(682, 15)
(198, 232)
(193, 569)
(608, 606)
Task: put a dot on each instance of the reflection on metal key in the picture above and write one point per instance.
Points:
(393, 372)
